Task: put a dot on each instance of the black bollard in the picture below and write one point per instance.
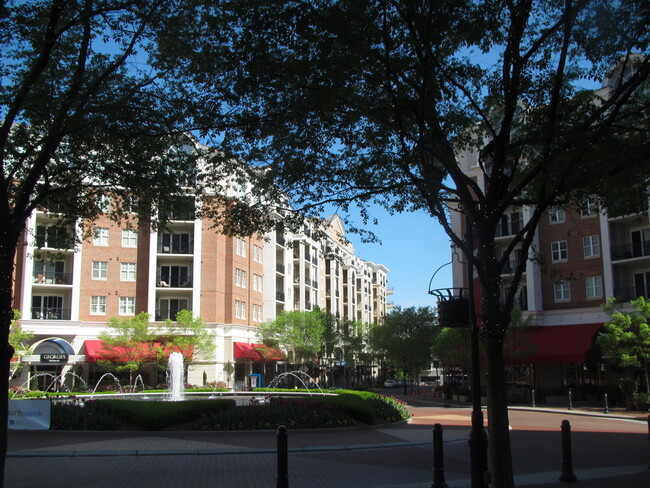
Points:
(438, 459)
(567, 461)
(283, 458)
(648, 434)
(606, 404)
(570, 399)
(533, 398)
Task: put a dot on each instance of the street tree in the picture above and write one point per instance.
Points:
(298, 333)
(188, 335)
(87, 115)
(375, 102)
(405, 338)
(626, 338)
(128, 343)
(19, 339)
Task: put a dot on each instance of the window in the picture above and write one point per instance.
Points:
(127, 305)
(100, 270)
(257, 282)
(594, 286)
(97, 305)
(559, 251)
(562, 291)
(49, 307)
(257, 253)
(240, 247)
(257, 313)
(129, 238)
(591, 246)
(556, 215)
(100, 237)
(588, 207)
(240, 278)
(103, 203)
(175, 277)
(176, 244)
(169, 307)
(240, 309)
(127, 271)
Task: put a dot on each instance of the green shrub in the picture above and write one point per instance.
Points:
(108, 414)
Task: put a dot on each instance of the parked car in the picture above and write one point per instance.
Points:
(390, 384)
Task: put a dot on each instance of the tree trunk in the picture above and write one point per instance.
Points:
(498, 423)
(8, 243)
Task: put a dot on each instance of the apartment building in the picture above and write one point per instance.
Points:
(581, 256)
(67, 292)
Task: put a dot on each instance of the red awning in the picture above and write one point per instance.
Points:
(95, 350)
(551, 344)
(256, 352)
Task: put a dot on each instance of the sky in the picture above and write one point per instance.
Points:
(413, 246)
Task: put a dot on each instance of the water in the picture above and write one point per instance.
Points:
(176, 377)
(299, 375)
(107, 375)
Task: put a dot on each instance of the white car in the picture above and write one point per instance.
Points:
(390, 384)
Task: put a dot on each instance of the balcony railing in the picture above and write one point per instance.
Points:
(52, 278)
(628, 251)
(174, 281)
(279, 268)
(630, 293)
(167, 314)
(279, 296)
(40, 313)
(181, 248)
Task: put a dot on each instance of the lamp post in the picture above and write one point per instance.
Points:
(456, 311)
(477, 437)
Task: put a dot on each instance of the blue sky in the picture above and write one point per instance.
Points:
(413, 246)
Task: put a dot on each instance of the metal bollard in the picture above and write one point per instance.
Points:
(533, 398)
(570, 399)
(283, 458)
(567, 461)
(438, 459)
(648, 434)
(606, 404)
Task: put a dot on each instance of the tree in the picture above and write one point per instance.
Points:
(86, 113)
(188, 335)
(377, 102)
(626, 338)
(19, 340)
(129, 342)
(405, 338)
(299, 334)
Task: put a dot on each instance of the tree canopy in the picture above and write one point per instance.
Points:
(393, 102)
(405, 339)
(626, 339)
(299, 334)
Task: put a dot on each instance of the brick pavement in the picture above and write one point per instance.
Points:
(607, 452)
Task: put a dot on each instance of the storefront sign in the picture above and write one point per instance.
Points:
(29, 415)
(54, 358)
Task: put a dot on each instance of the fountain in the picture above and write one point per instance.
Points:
(299, 375)
(176, 377)
(117, 382)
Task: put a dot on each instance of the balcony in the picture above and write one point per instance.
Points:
(39, 313)
(279, 296)
(627, 294)
(279, 268)
(51, 278)
(629, 251)
(166, 315)
(176, 248)
(166, 281)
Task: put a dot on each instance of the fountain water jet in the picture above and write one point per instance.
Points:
(299, 375)
(176, 377)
